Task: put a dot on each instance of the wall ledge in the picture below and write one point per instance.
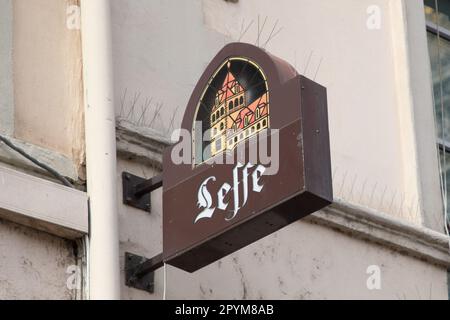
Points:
(146, 146)
(55, 160)
(43, 205)
(399, 235)
(140, 144)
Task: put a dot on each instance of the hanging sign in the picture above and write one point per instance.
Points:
(253, 156)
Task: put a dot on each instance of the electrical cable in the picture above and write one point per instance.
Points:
(50, 170)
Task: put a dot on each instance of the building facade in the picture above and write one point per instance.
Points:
(233, 119)
(91, 89)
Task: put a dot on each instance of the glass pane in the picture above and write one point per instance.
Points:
(442, 100)
(444, 12)
(445, 164)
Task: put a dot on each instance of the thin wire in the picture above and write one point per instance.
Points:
(52, 171)
(443, 197)
(248, 27)
(165, 282)
(443, 128)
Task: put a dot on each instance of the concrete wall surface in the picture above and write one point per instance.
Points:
(33, 264)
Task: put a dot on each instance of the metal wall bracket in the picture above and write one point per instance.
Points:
(139, 271)
(136, 190)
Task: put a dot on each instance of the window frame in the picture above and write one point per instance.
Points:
(443, 33)
(443, 145)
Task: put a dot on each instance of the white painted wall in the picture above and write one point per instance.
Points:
(160, 50)
(289, 264)
(283, 267)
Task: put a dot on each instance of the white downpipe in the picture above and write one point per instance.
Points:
(101, 161)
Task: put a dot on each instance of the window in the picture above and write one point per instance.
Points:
(241, 101)
(213, 118)
(222, 111)
(443, 15)
(236, 102)
(264, 123)
(258, 113)
(258, 126)
(438, 34)
(230, 105)
(221, 126)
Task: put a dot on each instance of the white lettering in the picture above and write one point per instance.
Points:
(205, 200)
(256, 176)
(221, 196)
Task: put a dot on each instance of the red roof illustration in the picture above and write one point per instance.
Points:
(229, 86)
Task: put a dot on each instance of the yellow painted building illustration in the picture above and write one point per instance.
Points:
(231, 119)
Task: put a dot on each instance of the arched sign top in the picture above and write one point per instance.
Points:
(255, 133)
(276, 71)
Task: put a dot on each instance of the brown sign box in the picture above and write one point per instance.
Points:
(302, 185)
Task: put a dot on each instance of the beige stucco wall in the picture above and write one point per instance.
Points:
(47, 68)
(41, 112)
(282, 266)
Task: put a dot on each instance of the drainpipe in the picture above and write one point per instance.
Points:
(101, 161)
